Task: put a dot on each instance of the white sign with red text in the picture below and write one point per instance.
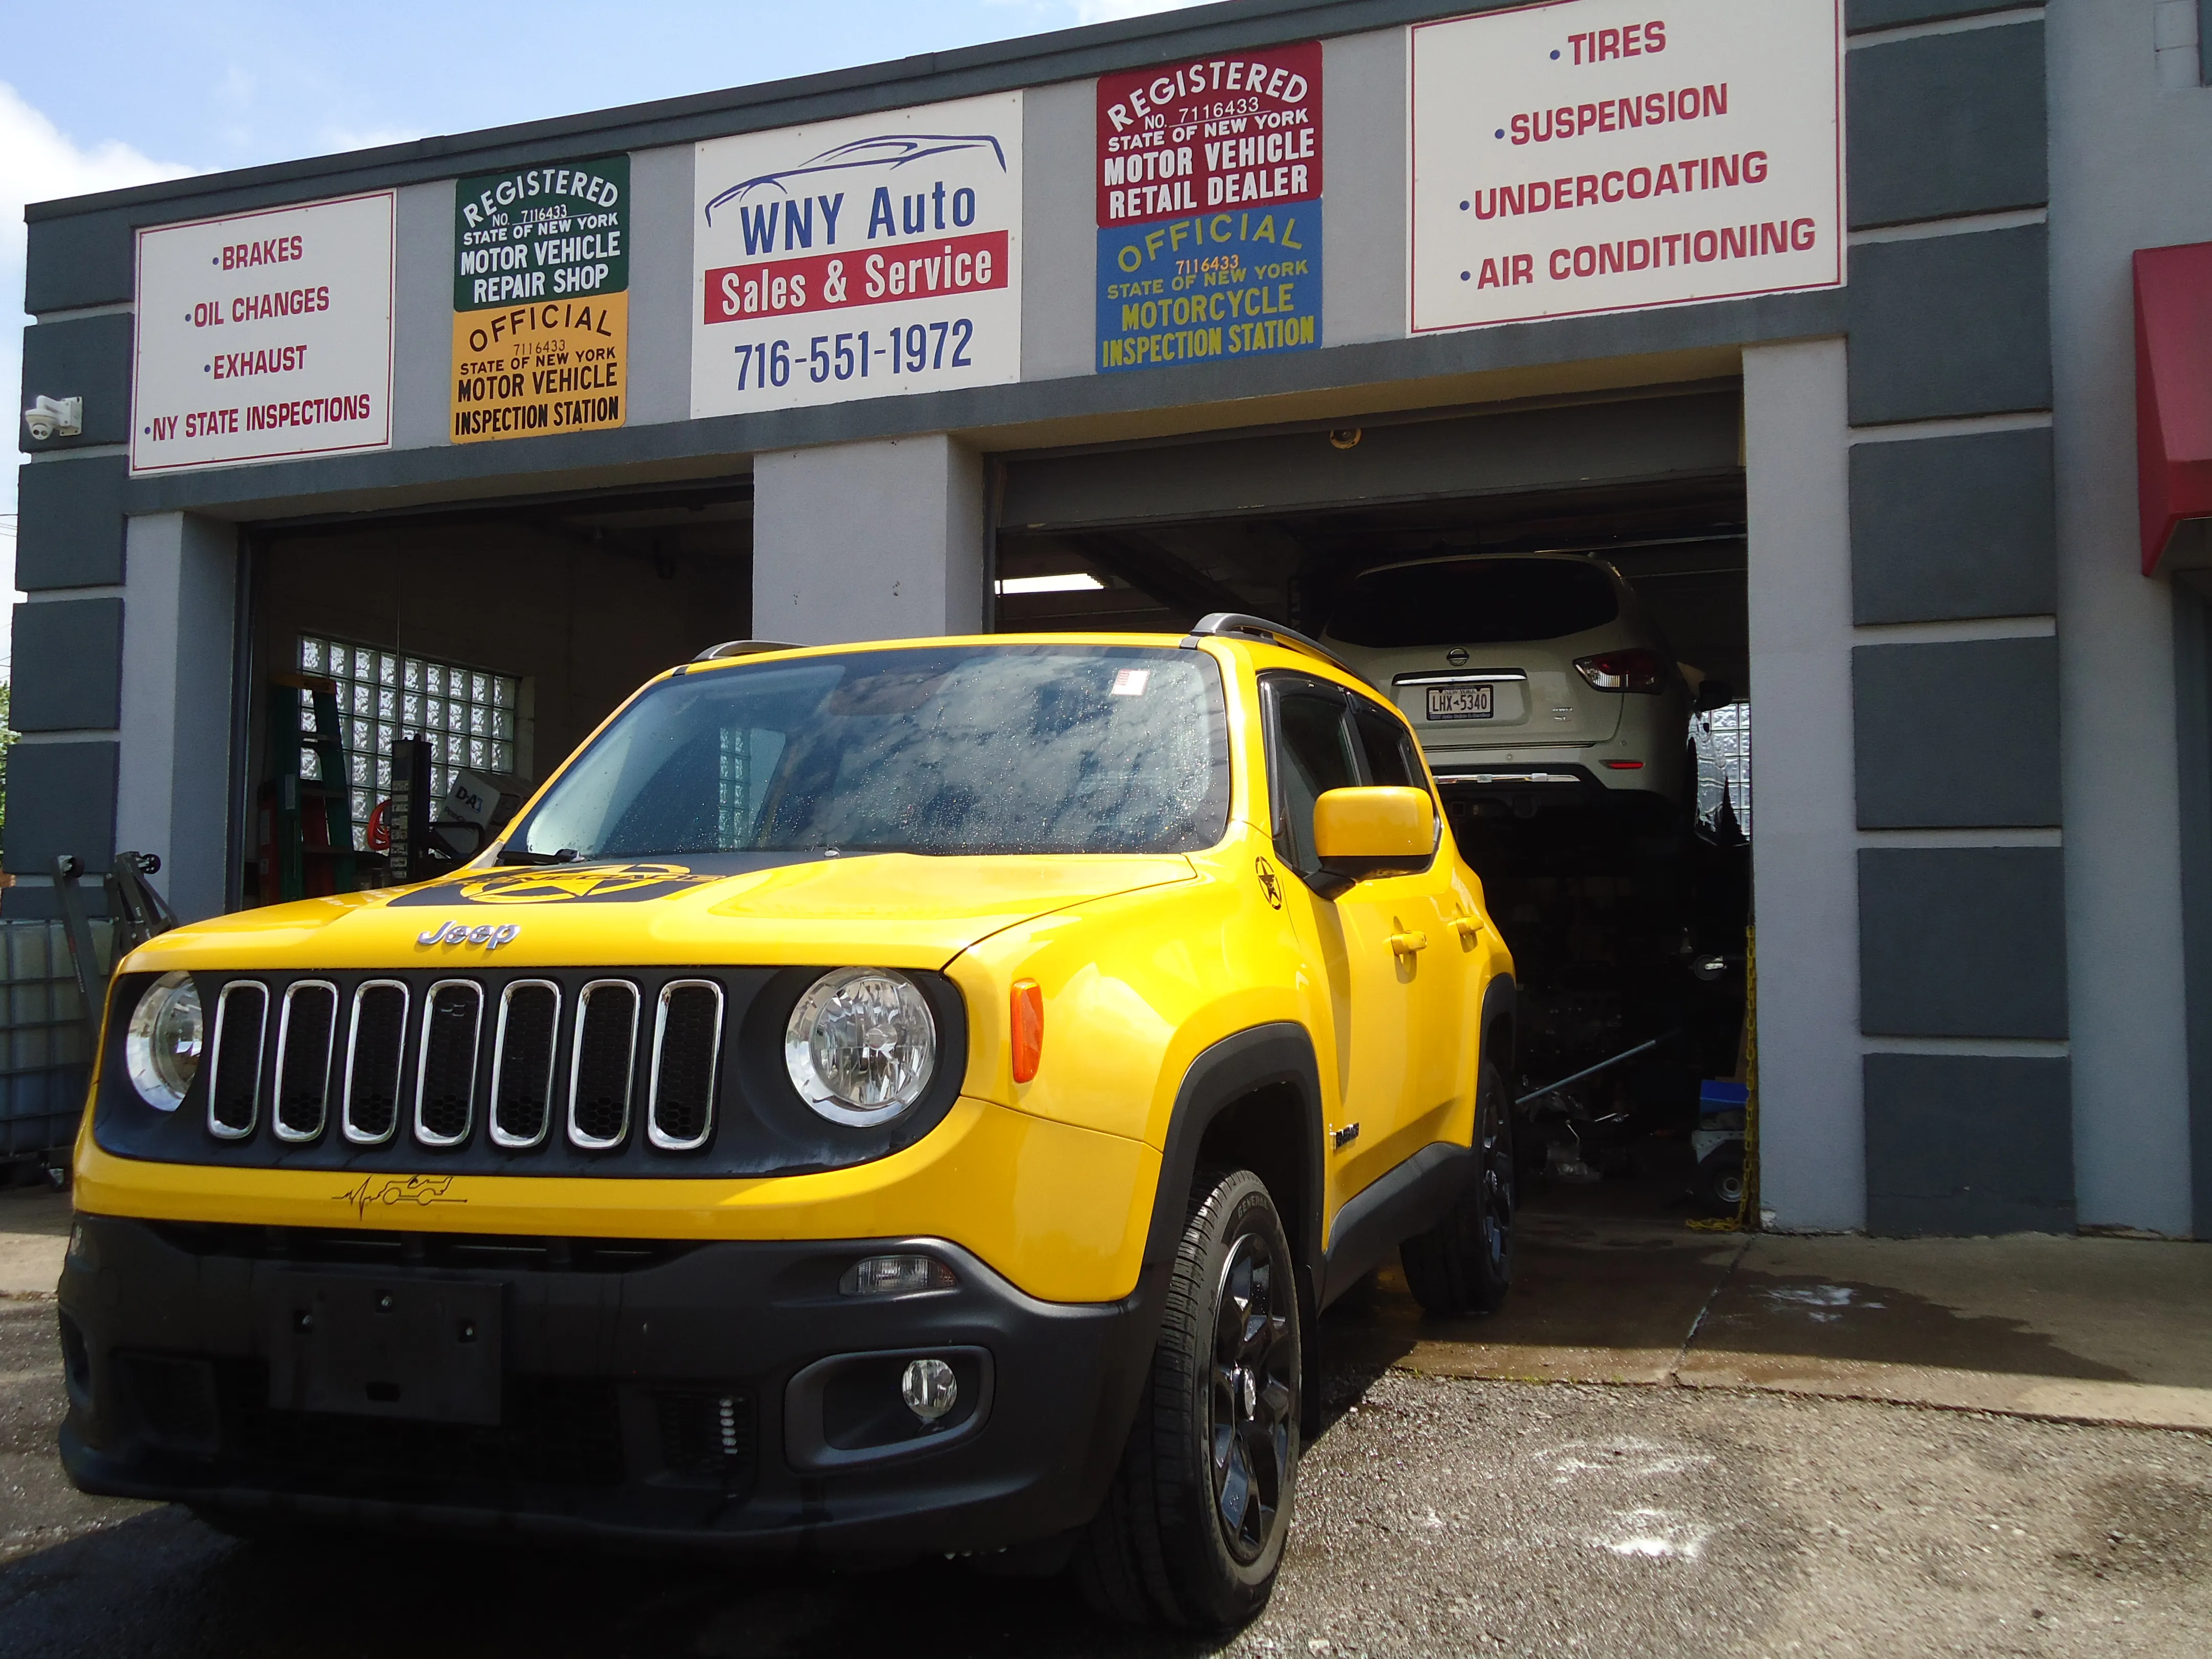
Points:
(263, 336)
(858, 258)
(1613, 155)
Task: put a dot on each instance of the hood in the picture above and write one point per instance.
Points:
(888, 910)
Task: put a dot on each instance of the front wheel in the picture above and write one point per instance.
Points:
(1192, 1532)
(1464, 1264)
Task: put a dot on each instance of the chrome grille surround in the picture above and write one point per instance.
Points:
(231, 1026)
(506, 1087)
(366, 1072)
(589, 1046)
(434, 1065)
(659, 1096)
(303, 1062)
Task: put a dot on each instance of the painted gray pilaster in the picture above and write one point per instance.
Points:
(2115, 135)
(1812, 1134)
(868, 541)
(1363, 115)
(173, 792)
(1059, 230)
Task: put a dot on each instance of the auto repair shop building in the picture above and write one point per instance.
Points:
(1827, 311)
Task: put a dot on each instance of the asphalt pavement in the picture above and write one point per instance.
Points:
(1438, 1515)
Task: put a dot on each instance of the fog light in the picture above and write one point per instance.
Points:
(930, 1388)
(896, 1275)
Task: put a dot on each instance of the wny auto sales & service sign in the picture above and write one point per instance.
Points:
(858, 258)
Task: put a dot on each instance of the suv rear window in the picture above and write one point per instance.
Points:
(1483, 601)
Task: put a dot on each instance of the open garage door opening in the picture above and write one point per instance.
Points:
(1575, 660)
(410, 679)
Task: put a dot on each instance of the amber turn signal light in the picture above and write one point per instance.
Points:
(1028, 1026)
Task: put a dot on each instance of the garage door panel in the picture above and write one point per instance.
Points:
(1580, 446)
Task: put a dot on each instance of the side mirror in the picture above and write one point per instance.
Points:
(1714, 694)
(1358, 833)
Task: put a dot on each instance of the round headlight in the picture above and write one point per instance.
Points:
(161, 1048)
(861, 1046)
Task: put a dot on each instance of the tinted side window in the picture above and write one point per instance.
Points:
(1311, 754)
(1390, 760)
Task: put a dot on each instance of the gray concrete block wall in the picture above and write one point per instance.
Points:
(1950, 326)
(67, 666)
(1957, 734)
(70, 522)
(1956, 726)
(1947, 528)
(1946, 125)
(1929, 1167)
(1962, 942)
(87, 358)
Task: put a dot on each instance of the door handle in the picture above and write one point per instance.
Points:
(1405, 944)
(1469, 928)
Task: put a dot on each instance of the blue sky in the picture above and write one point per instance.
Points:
(92, 98)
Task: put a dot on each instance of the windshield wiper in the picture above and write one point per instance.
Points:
(523, 855)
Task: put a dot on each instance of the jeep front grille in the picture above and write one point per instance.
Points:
(375, 1041)
(606, 1057)
(687, 1043)
(445, 1073)
(306, 1031)
(523, 1057)
(514, 1065)
(234, 1080)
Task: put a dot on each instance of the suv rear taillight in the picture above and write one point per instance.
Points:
(1625, 671)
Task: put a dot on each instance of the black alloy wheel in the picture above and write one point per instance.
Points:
(1464, 1264)
(1191, 1534)
(1254, 1391)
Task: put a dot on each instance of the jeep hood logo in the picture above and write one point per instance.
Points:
(561, 884)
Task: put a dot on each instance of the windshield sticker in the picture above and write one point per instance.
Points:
(1131, 682)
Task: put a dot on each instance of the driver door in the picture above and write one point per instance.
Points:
(1374, 1001)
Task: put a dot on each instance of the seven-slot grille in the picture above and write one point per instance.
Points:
(388, 1054)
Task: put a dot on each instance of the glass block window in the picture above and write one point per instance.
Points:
(1722, 740)
(467, 713)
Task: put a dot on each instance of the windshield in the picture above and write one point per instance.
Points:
(934, 749)
(1487, 601)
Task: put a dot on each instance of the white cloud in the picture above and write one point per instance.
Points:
(38, 162)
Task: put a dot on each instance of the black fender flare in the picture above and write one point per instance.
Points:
(1279, 1055)
(1501, 1003)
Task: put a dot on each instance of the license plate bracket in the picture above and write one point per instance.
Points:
(429, 1350)
(1461, 702)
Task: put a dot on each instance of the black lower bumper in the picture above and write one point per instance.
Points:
(725, 1396)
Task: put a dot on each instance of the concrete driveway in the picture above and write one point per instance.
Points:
(1442, 1511)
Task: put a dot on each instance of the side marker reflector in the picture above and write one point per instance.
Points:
(1028, 1028)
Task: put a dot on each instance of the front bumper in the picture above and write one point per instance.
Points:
(723, 1396)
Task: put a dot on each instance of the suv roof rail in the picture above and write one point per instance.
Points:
(1235, 624)
(741, 648)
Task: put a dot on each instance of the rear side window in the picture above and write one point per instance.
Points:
(1487, 601)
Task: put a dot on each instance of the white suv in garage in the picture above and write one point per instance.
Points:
(1538, 677)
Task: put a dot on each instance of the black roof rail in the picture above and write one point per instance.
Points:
(1235, 624)
(741, 648)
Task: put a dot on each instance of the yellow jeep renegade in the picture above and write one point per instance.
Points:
(880, 1098)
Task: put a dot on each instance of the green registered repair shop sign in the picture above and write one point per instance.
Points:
(541, 300)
